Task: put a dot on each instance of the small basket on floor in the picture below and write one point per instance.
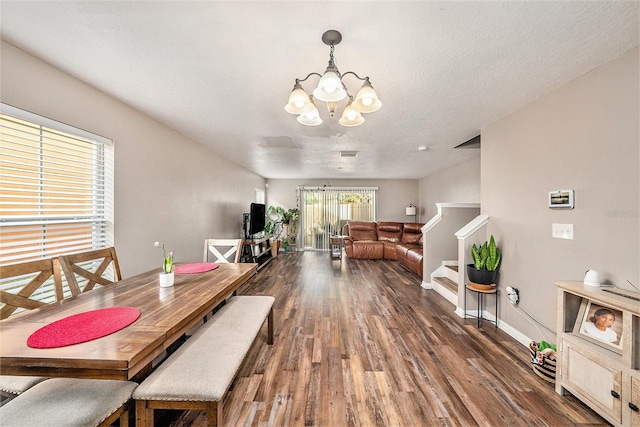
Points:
(546, 370)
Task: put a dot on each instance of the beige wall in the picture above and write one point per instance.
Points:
(167, 187)
(583, 136)
(458, 184)
(393, 194)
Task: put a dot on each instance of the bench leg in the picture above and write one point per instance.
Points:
(144, 415)
(270, 327)
(214, 414)
(124, 419)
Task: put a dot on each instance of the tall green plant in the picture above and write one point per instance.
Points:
(486, 257)
(275, 220)
(291, 215)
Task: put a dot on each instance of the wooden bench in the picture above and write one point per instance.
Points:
(70, 402)
(199, 374)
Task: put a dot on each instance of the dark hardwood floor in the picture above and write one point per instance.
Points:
(360, 343)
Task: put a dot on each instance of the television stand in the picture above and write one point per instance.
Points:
(256, 250)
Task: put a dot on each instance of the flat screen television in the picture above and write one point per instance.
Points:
(256, 218)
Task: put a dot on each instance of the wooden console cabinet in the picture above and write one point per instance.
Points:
(605, 377)
(257, 250)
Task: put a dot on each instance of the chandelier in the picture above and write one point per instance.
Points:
(331, 90)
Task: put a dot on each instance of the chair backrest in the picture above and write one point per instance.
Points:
(76, 264)
(36, 273)
(233, 249)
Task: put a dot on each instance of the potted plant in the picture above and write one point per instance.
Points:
(282, 225)
(166, 277)
(291, 216)
(274, 227)
(290, 219)
(486, 260)
(275, 219)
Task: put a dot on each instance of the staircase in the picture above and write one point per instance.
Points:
(441, 242)
(445, 281)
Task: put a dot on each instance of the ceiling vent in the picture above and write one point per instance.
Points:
(348, 154)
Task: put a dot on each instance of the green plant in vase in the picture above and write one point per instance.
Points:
(166, 277)
(167, 264)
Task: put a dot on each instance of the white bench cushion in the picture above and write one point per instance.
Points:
(66, 402)
(203, 368)
(17, 384)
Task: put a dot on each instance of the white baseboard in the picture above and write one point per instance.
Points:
(508, 329)
(514, 333)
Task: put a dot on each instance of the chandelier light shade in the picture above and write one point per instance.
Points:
(331, 89)
(351, 117)
(299, 102)
(366, 100)
(311, 118)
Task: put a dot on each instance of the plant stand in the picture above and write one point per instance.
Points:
(480, 293)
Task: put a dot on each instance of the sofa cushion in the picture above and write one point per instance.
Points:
(411, 257)
(368, 249)
(412, 233)
(390, 250)
(362, 230)
(390, 231)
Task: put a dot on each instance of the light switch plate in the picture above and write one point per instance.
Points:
(562, 231)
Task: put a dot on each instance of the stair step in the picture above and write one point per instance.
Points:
(447, 283)
(453, 267)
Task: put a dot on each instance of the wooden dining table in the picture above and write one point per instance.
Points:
(165, 315)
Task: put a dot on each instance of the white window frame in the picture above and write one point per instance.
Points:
(36, 244)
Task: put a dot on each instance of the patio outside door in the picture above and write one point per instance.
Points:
(326, 209)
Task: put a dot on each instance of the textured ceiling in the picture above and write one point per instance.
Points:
(221, 72)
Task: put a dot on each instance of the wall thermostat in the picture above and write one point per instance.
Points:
(561, 199)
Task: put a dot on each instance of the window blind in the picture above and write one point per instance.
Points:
(56, 188)
(326, 209)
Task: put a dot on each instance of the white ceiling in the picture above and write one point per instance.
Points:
(221, 72)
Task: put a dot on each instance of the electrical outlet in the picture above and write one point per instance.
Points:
(562, 231)
(513, 295)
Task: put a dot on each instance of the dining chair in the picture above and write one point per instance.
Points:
(214, 247)
(89, 266)
(233, 248)
(26, 280)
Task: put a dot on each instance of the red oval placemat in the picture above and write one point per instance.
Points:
(196, 267)
(83, 327)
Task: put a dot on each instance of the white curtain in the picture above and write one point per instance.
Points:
(324, 210)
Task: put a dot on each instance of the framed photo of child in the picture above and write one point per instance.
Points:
(600, 324)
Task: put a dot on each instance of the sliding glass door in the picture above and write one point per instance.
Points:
(324, 210)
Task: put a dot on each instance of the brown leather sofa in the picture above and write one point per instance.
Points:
(385, 240)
